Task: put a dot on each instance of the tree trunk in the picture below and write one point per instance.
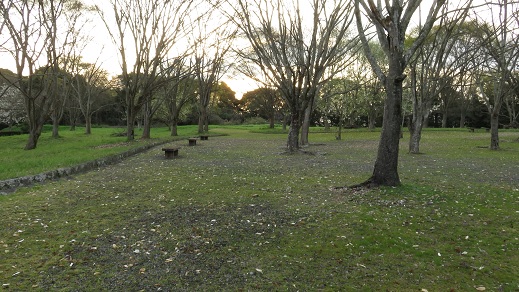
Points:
(372, 118)
(37, 114)
(34, 135)
(416, 123)
(146, 132)
(293, 133)
(494, 129)
(55, 126)
(272, 120)
(444, 118)
(174, 128)
(339, 131)
(88, 125)
(202, 119)
(206, 124)
(415, 130)
(306, 124)
(32, 141)
(386, 165)
(72, 120)
(130, 125)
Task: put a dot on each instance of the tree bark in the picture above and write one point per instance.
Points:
(391, 35)
(415, 130)
(371, 121)
(174, 128)
(285, 120)
(55, 127)
(339, 130)
(305, 130)
(147, 113)
(293, 133)
(88, 124)
(272, 120)
(35, 129)
(385, 171)
(32, 140)
(416, 123)
(130, 124)
(494, 129)
(202, 119)
(444, 118)
(37, 113)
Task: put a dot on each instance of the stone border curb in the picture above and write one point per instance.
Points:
(10, 185)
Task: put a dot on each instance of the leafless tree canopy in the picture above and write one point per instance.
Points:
(297, 47)
(154, 28)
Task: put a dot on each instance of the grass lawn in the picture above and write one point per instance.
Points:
(235, 213)
(73, 147)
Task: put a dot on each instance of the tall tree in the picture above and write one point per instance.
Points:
(500, 43)
(467, 60)
(294, 46)
(61, 19)
(153, 27)
(89, 82)
(433, 71)
(27, 45)
(391, 21)
(212, 46)
(178, 90)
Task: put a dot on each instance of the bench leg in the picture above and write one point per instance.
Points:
(171, 154)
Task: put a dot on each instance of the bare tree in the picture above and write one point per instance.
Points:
(40, 33)
(465, 58)
(27, 45)
(434, 69)
(294, 48)
(89, 82)
(178, 89)
(391, 22)
(62, 40)
(500, 43)
(153, 27)
(212, 46)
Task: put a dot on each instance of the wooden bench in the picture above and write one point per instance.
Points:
(204, 137)
(170, 152)
(192, 141)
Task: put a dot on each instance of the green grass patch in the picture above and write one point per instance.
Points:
(73, 147)
(235, 213)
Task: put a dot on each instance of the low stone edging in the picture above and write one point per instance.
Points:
(10, 185)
